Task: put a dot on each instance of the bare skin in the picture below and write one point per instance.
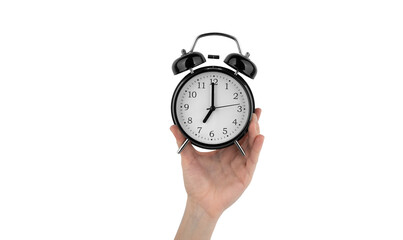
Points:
(215, 180)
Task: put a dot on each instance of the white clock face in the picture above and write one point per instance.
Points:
(213, 113)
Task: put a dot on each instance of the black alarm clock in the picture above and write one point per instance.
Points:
(212, 105)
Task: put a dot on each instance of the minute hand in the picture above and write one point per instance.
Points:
(230, 105)
(212, 95)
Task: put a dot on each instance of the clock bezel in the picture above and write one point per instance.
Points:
(229, 72)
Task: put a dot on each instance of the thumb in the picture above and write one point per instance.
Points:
(188, 150)
(177, 134)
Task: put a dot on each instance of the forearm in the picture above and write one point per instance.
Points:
(196, 224)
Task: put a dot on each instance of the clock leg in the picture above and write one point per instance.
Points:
(240, 148)
(183, 145)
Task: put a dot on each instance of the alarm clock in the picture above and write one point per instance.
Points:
(213, 105)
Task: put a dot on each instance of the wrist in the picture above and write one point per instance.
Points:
(196, 223)
(196, 209)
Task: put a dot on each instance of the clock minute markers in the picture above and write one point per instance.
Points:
(217, 130)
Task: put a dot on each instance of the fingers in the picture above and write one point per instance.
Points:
(255, 141)
(180, 139)
(258, 112)
(247, 139)
(254, 154)
(253, 130)
(177, 134)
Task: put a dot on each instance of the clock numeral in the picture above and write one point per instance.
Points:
(239, 109)
(190, 120)
(235, 95)
(226, 86)
(201, 85)
(211, 134)
(199, 128)
(192, 94)
(214, 80)
(186, 106)
(235, 122)
(224, 131)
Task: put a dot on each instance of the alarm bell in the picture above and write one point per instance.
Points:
(187, 61)
(237, 61)
(241, 64)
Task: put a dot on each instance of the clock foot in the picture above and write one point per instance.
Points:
(183, 145)
(240, 148)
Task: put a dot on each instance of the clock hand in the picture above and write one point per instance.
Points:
(212, 108)
(208, 114)
(230, 105)
(212, 95)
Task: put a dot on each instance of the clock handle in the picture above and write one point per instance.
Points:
(216, 34)
(239, 147)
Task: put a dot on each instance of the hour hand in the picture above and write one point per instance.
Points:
(212, 108)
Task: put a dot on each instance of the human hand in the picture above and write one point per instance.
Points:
(215, 180)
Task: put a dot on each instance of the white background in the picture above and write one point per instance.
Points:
(85, 90)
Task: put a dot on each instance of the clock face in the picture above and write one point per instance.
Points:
(213, 107)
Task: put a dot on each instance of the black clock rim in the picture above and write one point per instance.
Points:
(238, 78)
